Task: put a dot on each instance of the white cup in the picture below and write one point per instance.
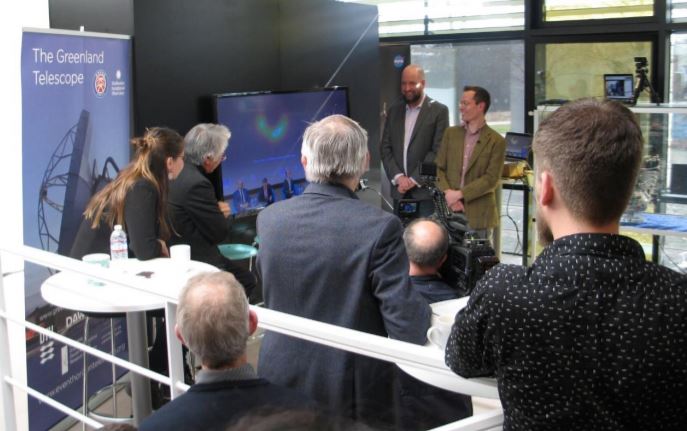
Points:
(180, 252)
(102, 259)
(438, 333)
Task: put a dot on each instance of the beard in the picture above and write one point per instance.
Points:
(544, 234)
(412, 97)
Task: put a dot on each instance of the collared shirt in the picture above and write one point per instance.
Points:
(244, 372)
(410, 120)
(471, 138)
(591, 337)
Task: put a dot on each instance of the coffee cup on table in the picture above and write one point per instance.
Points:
(438, 333)
(180, 252)
(101, 259)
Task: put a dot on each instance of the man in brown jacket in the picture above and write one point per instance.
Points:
(470, 161)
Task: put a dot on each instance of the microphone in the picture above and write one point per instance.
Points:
(362, 186)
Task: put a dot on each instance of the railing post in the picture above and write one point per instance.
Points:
(7, 411)
(174, 350)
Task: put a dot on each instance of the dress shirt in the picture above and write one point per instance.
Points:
(412, 112)
(591, 337)
(471, 138)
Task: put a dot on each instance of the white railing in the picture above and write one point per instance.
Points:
(330, 335)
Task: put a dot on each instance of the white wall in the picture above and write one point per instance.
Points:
(24, 13)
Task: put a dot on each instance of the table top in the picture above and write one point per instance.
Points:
(658, 224)
(481, 387)
(76, 292)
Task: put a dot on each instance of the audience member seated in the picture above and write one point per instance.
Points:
(241, 197)
(214, 322)
(327, 256)
(266, 194)
(424, 406)
(288, 188)
(591, 336)
(136, 199)
(199, 220)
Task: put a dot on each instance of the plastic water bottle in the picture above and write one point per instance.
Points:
(119, 250)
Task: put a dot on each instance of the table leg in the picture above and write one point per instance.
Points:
(138, 354)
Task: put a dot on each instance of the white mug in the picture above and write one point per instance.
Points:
(180, 252)
(438, 333)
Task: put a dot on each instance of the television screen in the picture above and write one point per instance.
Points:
(266, 134)
(618, 87)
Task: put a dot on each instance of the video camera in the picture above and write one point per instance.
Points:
(468, 257)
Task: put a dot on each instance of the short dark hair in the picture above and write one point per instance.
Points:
(593, 148)
(481, 95)
(426, 254)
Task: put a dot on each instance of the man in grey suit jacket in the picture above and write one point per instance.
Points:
(412, 135)
(340, 261)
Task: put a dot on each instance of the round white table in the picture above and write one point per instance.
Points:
(78, 292)
(480, 387)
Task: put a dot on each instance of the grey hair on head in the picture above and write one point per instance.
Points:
(206, 140)
(212, 316)
(335, 149)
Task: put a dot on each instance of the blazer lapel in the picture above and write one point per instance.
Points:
(482, 142)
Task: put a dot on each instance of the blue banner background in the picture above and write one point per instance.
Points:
(67, 124)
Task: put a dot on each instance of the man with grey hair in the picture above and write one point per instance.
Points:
(198, 219)
(341, 261)
(214, 322)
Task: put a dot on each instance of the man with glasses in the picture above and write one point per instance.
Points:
(470, 162)
(198, 219)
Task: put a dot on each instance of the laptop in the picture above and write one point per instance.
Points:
(619, 87)
(518, 146)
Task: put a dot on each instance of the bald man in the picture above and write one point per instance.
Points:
(412, 135)
(424, 406)
(426, 244)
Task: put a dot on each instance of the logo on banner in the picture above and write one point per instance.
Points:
(399, 61)
(100, 83)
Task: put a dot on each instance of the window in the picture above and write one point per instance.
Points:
(414, 17)
(573, 70)
(574, 10)
(497, 66)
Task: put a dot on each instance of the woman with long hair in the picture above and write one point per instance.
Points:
(136, 199)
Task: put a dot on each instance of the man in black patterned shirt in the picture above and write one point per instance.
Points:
(592, 336)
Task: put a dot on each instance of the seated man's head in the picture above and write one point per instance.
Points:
(587, 155)
(335, 151)
(214, 320)
(426, 244)
(206, 145)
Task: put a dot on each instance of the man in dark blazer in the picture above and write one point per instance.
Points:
(341, 261)
(470, 162)
(214, 322)
(197, 218)
(412, 134)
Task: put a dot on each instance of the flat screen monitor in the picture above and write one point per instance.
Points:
(518, 145)
(266, 134)
(619, 87)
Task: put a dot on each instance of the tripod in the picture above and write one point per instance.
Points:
(643, 83)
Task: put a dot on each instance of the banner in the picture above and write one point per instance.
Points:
(76, 99)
